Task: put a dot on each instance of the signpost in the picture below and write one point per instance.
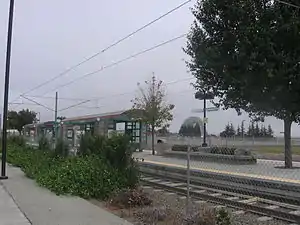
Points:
(204, 95)
(210, 109)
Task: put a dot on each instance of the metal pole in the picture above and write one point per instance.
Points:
(188, 181)
(55, 117)
(6, 89)
(204, 144)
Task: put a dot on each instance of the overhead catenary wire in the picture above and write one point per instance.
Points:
(98, 107)
(96, 98)
(116, 63)
(83, 101)
(288, 4)
(37, 103)
(93, 107)
(50, 97)
(105, 49)
(121, 94)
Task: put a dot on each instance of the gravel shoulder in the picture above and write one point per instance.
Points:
(171, 209)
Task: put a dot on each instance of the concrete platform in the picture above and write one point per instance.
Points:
(264, 169)
(43, 207)
(10, 214)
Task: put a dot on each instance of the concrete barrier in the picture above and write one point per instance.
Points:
(238, 159)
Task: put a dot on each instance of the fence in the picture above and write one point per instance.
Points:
(222, 141)
(264, 187)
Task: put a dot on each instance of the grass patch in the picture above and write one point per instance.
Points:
(275, 149)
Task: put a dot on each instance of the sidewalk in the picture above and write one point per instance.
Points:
(9, 211)
(42, 207)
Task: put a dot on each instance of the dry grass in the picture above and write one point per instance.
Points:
(164, 209)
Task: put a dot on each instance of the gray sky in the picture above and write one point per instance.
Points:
(51, 36)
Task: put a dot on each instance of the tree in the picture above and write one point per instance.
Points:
(251, 130)
(163, 131)
(231, 130)
(256, 130)
(270, 131)
(238, 131)
(263, 131)
(243, 129)
(16, 120)
(247, 54)
(151, 101)
(225, 132)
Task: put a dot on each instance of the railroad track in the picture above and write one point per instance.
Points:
(272, 190)
(240, 202)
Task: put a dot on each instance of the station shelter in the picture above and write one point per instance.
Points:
(35, 130)
(122, 122)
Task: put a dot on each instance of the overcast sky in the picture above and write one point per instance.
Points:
(51, 36)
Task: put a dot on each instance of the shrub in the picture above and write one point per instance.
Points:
(87, 145)
(222, 150)
(180, 148)
(223, 217)
(44, 143)
(131, 198)
(118, 151)
(131, 174)
(90, 176)
(87, 177)
(61, 148)
(184, 148)
(16, 140)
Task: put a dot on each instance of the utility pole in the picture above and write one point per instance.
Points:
(204, 144)
(55, 115)
(6, 89)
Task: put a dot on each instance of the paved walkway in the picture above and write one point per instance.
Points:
(10, 214)
(42, 207)
(263, 169)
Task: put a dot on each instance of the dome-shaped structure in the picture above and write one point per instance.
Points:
(192, 126)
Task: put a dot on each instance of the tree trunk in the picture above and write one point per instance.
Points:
(287, 144)
(152, 133)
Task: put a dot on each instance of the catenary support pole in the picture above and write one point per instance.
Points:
(204, 144)
(6, 90)
(55, 119)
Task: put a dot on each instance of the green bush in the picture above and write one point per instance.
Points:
(223, 217)
(16, 140)
(105, 167)
(184, 148)
(87, 177)
(116, 150)
(180, 148)
(44, 143)
(222, 150)
(61, 148)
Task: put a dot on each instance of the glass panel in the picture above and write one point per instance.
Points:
(137, 140)
(137, 133)
(120, 126)
(137, 125)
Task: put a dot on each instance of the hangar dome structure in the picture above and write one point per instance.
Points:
(192, 126)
